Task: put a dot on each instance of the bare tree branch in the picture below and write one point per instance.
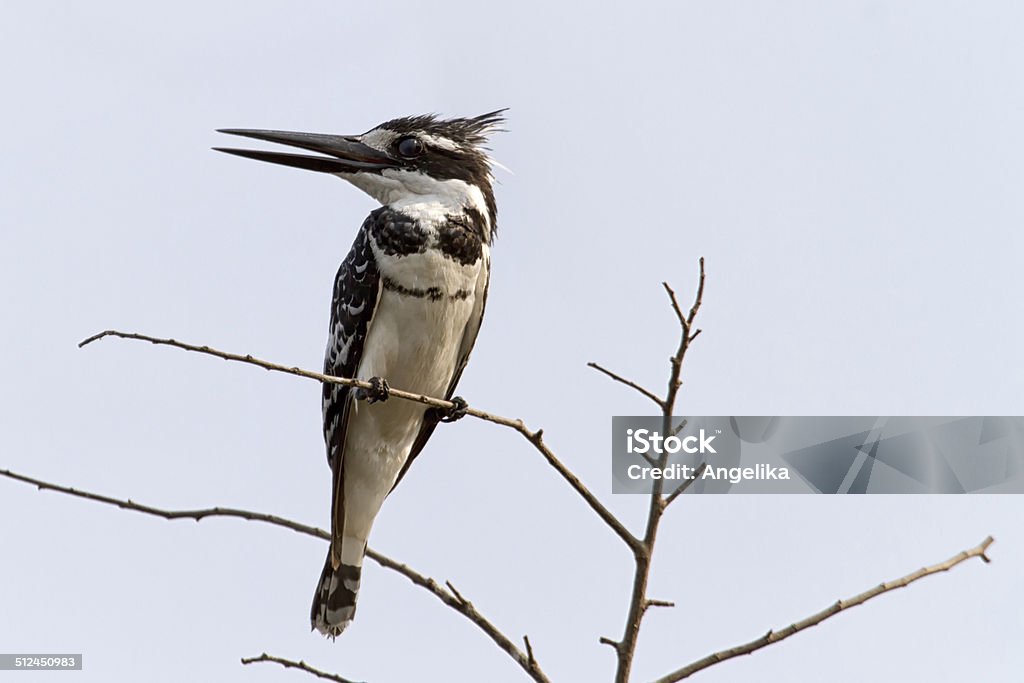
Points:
(291, 664)
(625, 648)
(628, 382)
(450, 597)
(534, 437)
(830, 611)
(197, 515)
(291, 370)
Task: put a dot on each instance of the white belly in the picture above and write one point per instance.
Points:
(413, 342)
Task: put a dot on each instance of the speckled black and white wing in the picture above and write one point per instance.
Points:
(356, 291)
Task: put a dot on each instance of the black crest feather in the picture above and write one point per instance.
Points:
(469, 132)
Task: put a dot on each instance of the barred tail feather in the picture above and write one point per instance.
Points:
(334, 603)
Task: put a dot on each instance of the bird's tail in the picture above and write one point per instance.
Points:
(334, 603)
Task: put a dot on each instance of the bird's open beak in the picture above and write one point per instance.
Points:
(347, 154)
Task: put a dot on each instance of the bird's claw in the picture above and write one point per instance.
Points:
(456, 412)
(378, 392)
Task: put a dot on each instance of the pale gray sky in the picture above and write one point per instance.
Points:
(851, 171)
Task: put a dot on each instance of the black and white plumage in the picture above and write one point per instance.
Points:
(407, 306)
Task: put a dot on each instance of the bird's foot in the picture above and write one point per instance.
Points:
(456, 412)
(377, 393)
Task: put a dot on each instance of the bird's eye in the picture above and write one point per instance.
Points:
(410, 147)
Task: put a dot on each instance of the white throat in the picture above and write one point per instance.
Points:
(414, 192)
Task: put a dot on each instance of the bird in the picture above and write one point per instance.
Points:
(407, 305)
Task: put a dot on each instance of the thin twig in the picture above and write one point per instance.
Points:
(681, 489)
(534, 437)
(687, 321)
(457, 594)
(675, 303)
(291, 664)
(628, 382)
(529, 649)
(454, 599)
(450, 597)
(830, 611)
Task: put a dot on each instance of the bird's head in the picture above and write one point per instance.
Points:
(402, 162)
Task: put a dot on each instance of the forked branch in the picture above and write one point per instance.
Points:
(639, 603)
(448, 596)
(835, 608)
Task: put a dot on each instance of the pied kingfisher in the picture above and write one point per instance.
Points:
(408, 301)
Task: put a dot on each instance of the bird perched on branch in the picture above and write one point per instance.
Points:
(408, 301)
